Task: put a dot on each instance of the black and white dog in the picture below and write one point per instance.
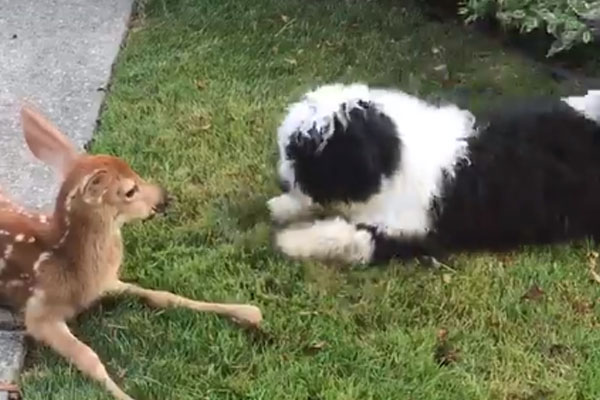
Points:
(408, 179)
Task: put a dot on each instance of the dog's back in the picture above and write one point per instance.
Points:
(532, 176)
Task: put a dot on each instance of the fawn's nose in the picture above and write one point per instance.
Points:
(165, 201)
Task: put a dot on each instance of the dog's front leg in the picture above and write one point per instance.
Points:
(290, 207)
(242, 313)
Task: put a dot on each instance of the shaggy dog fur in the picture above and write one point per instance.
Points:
(408, 178)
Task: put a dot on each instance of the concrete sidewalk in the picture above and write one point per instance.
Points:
(58, 55)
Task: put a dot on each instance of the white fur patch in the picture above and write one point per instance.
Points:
(36, 300)
(41, 259)
(286, 207)
(327, 239)
(588, 105)
(67, 220)
(8, 251)
(14, 283)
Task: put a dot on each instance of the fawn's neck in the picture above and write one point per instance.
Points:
(90, 241)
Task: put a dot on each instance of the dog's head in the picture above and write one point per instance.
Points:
(336, 145)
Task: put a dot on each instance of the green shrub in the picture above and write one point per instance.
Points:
(563, 19)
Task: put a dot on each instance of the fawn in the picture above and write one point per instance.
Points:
(52, 267)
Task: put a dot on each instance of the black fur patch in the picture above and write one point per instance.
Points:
(352, 164)
(404, 248)
(533, 177)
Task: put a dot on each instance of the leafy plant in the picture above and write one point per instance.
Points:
(566, 20)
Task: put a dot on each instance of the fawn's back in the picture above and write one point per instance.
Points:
(22, 236)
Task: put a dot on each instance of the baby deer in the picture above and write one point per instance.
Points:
(52, 267)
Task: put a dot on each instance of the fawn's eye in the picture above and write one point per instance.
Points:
(131, 192)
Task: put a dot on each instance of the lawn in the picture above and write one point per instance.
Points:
(197, 95)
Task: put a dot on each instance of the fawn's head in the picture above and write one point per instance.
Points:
(93, 185)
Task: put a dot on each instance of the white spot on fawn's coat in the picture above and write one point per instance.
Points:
(8, 251)
(43, 257)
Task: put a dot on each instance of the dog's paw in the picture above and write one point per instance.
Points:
(285, 208)
(330, 239)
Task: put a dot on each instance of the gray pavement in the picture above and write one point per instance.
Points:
(58, 55)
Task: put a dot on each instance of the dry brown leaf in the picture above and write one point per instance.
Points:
(200, 84)
(445, 354)
(582, 306)
(316, 347)
(534, 293)
(592, 258)
(442, 334)
(506, 260)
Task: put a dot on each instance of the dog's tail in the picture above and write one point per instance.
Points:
(588, 105)
(339, 240)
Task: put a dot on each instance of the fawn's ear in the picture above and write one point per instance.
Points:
(46, 142)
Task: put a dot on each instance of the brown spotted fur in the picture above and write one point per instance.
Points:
(54, 266)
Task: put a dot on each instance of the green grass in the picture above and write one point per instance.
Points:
(198, 92)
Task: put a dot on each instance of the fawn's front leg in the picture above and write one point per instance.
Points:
(242, 313)
(55, 333)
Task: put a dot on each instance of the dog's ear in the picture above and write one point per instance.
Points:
(306, 143)
(302, 145)
(365, 105)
